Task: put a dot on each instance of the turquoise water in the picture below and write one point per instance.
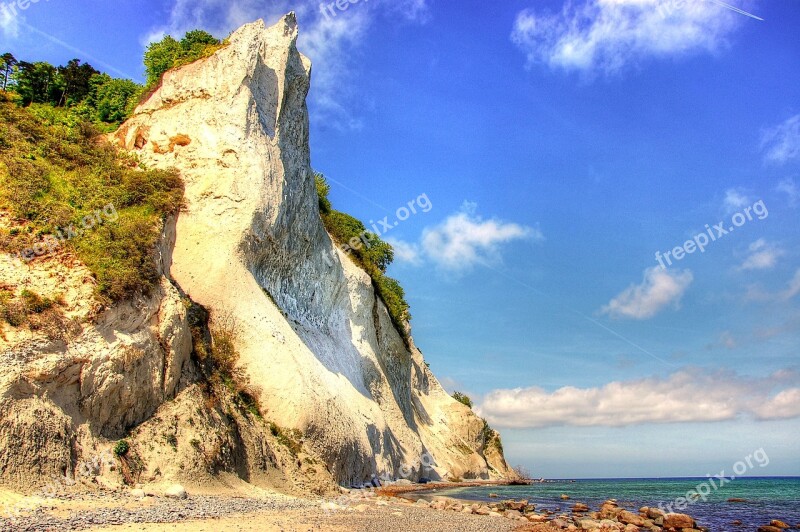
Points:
(767, 497)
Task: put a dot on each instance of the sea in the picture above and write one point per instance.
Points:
(766, 498)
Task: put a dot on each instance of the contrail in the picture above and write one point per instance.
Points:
(735, 9)
(78, 51)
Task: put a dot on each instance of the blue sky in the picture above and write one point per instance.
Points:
(560, 147)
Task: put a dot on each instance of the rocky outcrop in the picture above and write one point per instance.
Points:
(318, 345)
(610, 518)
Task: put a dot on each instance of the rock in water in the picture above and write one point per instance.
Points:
(678, 521)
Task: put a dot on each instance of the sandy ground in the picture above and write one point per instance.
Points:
(277, 512)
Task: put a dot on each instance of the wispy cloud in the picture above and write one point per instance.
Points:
(758, 293)
(9, 24)
(789, 187)
(660, 288)
(788, 326)
(689, 395)
(735, 200)
(727, 340)
(328, 40)
(762, 255)
(608, 36)
(405, 252)
(782, 142)
(793, 288)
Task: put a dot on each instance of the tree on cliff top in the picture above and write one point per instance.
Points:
(169, 53)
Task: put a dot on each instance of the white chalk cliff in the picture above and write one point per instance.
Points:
(314, 340)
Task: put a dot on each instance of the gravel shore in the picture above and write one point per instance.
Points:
(215, 513)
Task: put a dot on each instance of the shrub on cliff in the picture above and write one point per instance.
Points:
(368, 251)
(463, 399)
(491, 438)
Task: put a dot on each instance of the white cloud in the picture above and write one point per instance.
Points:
(789, 187)
(785, 405)
(782, 142)
(465, 239)
(328, 41)
(659, 289)
(405, 252)
(689, 395)
(9, 24)
(762, 256)
(610, 35)
(462, 240)
(735, 200)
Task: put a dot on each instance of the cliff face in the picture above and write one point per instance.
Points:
(314, 340)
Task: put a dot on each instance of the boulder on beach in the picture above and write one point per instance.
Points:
(176, 491)
(516, 505)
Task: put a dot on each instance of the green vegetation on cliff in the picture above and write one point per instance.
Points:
(463, 399)
(64, 187)
(367, 250)
(87, 94)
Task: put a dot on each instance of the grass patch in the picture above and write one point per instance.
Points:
(289, 438)
(23, 309)
(56, 178)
